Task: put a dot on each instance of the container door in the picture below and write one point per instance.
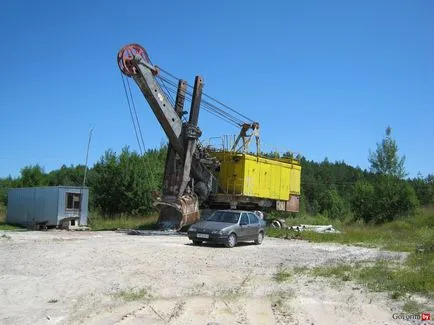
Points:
(72, 207)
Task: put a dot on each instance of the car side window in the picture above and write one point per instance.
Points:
(244, 219)
(253, 218)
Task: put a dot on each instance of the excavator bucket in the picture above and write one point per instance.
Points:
(178, 213)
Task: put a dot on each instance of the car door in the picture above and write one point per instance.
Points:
(254, 225)
(243, 232)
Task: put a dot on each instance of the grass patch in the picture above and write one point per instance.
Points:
(341, 272)
(98, 222)
(400, 280)
(413, 234)
(3, 212)
(6, 226)
(404, 234)
(134, 295)
(300, 269)
(282, 275)
(3, 224)
(368, 236)
(413, 307)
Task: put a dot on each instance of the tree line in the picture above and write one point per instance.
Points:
(119, 183)
(379, 195)
(123, 183)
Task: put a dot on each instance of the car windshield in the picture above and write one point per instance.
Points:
(225, 216)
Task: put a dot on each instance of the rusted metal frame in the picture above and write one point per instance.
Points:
(175, 215)
(173, 168)
(180, 97)
(126, 59)
(192, 132)
(240, 200)
(242, 135)
(160, 105)
(134, 62)
(176, 209)
(247, 137)
(195, 101)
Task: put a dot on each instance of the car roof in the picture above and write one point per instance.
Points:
(237, 211)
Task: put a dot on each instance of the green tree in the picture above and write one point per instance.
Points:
(424, 188)
(385, 159)
(72, 176)
(335, 206)
(33, 176)
(385, 196)
(5, 184)
(124, 183)
(393, 198)
(363, 201)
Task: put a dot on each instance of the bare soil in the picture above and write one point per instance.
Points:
(61, 277)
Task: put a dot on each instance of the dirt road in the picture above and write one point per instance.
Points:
(61, 277)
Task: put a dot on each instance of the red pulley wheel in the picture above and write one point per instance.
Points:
(126, 56)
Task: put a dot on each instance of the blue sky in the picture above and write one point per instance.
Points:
(323, 78)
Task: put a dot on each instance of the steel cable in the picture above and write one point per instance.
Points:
(137, 118)
(238, 120)
(138, 132)
(211, 108)
(131, 114)
(219, 111)
(165, 89)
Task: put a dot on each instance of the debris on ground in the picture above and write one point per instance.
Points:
(281, 223)
(315, 228)
(151, 232)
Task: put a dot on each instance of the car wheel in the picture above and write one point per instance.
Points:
(232, 241)
(260, 238)
(197, 242)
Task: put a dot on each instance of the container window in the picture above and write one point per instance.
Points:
(73, 201)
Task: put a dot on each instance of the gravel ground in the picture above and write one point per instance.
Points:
(60, 277)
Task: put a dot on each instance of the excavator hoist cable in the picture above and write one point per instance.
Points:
(209, 97)
(136, 116)
(212, 104)
(168, 93)
(133, 120)
(216, 112)
(137, 129)
(208, 106)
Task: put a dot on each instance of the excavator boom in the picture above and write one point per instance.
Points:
(187, 180)
(134, 62)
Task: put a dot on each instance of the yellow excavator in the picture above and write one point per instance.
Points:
(195, 175)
